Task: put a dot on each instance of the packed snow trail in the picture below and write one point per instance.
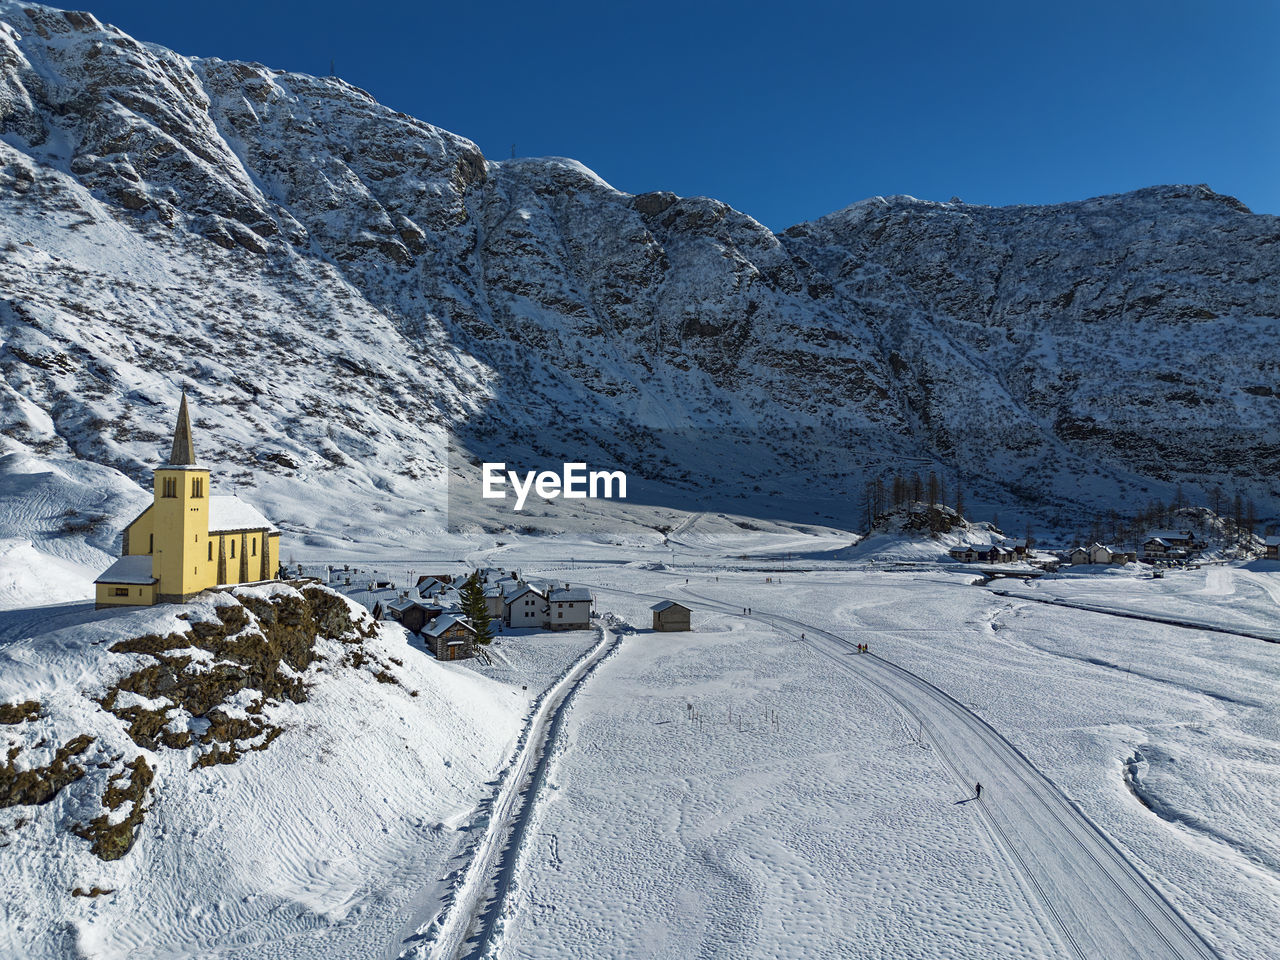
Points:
(1104, 908)
(467, 925)
(1139, 615)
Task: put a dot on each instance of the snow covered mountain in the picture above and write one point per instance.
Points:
(339, 284)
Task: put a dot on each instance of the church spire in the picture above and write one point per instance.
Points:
(184, 451)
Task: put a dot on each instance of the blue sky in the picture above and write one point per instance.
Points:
(789, 110)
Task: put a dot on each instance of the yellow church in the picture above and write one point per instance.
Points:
(188, 540)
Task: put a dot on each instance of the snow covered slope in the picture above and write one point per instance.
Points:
(264, 774)
(338, 284)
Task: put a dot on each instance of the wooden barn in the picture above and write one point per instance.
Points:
(669, 616)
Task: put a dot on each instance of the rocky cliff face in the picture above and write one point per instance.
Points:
(338, 283)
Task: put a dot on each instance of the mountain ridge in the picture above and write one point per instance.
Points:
(276, 241)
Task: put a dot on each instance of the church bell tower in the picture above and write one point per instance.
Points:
(181, 560)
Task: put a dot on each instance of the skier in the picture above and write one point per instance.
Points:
(977, 791)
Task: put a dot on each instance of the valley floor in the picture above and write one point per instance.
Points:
(736, 790)
(733, 792)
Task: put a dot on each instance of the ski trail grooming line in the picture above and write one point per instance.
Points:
(1101, 859)
(479, 894)
(1106, 909)
(1136, 615)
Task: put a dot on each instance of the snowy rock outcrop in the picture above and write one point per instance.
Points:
(338, 283)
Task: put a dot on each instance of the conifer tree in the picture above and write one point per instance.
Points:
(475, 609)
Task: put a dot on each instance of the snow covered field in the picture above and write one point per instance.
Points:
(840, 831)
(734, 791)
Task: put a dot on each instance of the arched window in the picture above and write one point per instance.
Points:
(233, 549)
(253, 546)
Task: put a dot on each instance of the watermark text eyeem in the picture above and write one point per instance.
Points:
(573, 482)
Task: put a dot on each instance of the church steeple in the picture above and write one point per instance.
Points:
(184, 451)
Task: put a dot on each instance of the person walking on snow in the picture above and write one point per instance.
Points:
(977, 791)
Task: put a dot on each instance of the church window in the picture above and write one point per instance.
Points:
(253, 547)
(151, 543)
(210, 549)
(169, 487)
(197, 487)
(233, 549)
(120, 591)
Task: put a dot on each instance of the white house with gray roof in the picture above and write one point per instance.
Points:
(569, 608)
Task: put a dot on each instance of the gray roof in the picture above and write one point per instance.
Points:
(668, 604)
(184, 451)
(131, 569)
(443, 622)
(524, 588)
(570, 595)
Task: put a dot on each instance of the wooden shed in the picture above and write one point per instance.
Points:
(450, 637)
(671, 616)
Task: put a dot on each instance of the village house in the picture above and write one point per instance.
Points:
(188, 540)
(983, 553)
(1272, 548)
(1157, 548)
(1184, 540)
(669, 616)
(450, 637)
(525, 607)
(413, 614)
(494, 600)
(1016, 544)
(569, 608)
(1100, 553)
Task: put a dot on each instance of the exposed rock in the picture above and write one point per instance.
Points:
(263, 644)
(41, 784)
(19, 712)
(1022, 348)
(111, 841)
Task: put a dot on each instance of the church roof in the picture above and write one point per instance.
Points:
(135, 568)
(184, 450)
(231, 513)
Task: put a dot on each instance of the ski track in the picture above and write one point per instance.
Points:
(1101, 904)
(471, 918)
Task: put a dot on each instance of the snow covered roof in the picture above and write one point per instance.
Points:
(1160, 540)
(667, 604)
(1170, 535)
(1273, 541)
(570, 595)
(232, 513)
(443, 622)
(132, 569)
(525, 588)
